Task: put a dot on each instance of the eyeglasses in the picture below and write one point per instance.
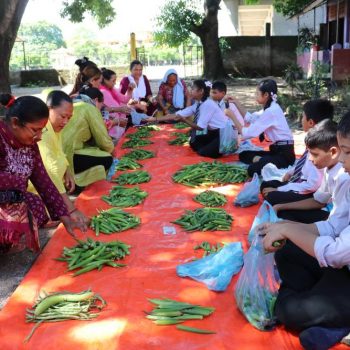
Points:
(36, 133)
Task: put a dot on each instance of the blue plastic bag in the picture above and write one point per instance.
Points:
(265, 214)
(249, 194)
(215, 270)
(257, 287)
(112, 169)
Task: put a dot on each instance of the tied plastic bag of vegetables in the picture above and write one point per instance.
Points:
(257, 287)
(249, 194)
(266, 213)
(215, 270)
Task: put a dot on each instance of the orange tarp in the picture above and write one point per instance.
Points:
(150, 273)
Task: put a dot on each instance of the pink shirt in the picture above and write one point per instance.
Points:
(114, 98)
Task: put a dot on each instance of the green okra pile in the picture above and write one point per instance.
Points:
(181, 125)
(63, 306)
(208, 248)
(139, 154)
(211, 199)
(206, 173)
(205, 219)
(127, 163)
(136, 177)
(90, 255)
(113, 220)
(140, 133)
(169, 312)
(136, 142)
(124, 197)
(181, 139)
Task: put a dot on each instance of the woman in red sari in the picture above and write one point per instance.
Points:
(21, 212)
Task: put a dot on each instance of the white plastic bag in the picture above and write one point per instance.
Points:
(228, 139)
(270, 172)
(247, 145)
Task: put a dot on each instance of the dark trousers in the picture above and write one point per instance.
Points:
(304, 216)
(207, 145)
(277, 197)
(83, 162)
(310, 295)
(281, 156)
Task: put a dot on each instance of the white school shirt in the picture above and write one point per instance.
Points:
(272, 122)
(233, 108)
(335, 187)
(311, 179)
(210, 115)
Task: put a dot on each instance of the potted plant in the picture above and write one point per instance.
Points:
(307, 39)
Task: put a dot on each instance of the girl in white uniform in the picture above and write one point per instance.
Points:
(272, 124)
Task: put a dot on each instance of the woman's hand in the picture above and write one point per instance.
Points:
(165, 111)
(70, 225)
(286, 177)
(69, 182)
(131, 86)
(267, 190)
(78, 217)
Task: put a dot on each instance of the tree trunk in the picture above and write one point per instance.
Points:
(11, 12)
(208, 33)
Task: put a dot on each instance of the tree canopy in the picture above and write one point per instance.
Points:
(290, 8)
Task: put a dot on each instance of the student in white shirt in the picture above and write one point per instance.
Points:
(314, 268)
(273, 124)
(207, 122)
(324, 152)
(304, 179)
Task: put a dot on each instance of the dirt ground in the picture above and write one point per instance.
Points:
(13, 267)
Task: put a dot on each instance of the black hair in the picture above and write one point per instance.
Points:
(86, 71)
(323, 135)
(83, 63)
(202, 85)
(135, 63)
(269, 86)
(26, 108)
(220, 86)
(344, 125)
(56, 97)
(318, 110)
(90, 72)
(107, 73)
(92, 92)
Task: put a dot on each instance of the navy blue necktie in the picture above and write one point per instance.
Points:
(299, 166)
(195, 120)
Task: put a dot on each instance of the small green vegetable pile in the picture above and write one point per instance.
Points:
(136, 142)
(127, 163)
(140, 133)
(89, 255)
(139, 154)
(124, 197)
(136, 177)
(113, 220)
(181, 139)
(206, 173)
(205, 219)
(169, 312)
(211, 199)
(181, 126)
(62, 306)
(208, 248)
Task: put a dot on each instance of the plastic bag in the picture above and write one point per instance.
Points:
(137, 117)
(228, 139)
(257, 287)
(265, 214)
(215, 270)
(270, 172)
(249, 194)
(247, 145)
(112, 169)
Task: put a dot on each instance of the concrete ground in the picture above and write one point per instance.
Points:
(13, 267)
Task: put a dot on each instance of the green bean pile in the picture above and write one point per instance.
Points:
(62, 306)
(168, 312)
(136, 142)
(181, 139)
(181, 126)
(139, 154)
(124, 197)
(208, 248)
(211, 199)
(206, 173)
(205, 219)
(141, 133)
(136, 177)
(113, 220)
(89, 255)
(126, 163)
